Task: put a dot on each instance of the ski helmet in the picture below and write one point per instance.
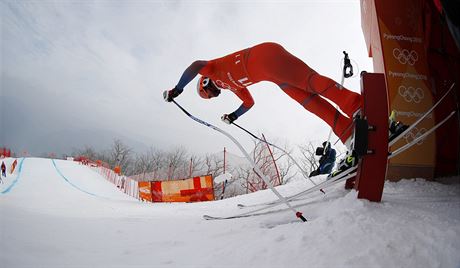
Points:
(206, 88)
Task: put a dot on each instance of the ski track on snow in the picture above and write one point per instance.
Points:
(62, 214)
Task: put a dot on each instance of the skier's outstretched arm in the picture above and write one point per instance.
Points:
(190, 73)
(186, 77)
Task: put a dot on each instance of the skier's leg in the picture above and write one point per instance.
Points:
(271, 62)
(340, 124)
(347, 100)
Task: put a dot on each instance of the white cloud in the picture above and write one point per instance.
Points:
(110, 61)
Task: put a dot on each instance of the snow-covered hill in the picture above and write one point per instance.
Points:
(56, 213)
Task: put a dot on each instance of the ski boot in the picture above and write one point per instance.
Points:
(395, 127)
(348, 162)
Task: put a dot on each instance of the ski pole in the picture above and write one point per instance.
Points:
(280, 197)
(347, 72)
(277, 147)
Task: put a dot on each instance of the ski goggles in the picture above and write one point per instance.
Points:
(210, 88)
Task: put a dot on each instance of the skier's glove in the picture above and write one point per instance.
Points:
(229, 118)
(169, 95)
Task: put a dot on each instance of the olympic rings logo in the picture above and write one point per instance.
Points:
(405, 56)
(224, 85)
(413, 134)
(411, 94)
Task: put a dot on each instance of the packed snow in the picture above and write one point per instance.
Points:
(57, 213)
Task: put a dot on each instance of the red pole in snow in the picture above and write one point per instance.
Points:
(274, 162)
(224, 159)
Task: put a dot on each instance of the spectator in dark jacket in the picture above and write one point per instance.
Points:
(326, 161)
(3, 169)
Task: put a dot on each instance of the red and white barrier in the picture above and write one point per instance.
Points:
(125, 184)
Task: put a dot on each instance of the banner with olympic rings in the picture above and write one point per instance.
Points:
(395, 39)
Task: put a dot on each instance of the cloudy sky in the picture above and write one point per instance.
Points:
(77, 73)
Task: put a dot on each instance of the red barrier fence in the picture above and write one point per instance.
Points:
(195, 189)
(125, 184)
(5, 152)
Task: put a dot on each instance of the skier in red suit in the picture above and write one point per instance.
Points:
(271, 62)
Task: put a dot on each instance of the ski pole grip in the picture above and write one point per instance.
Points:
(347, 67)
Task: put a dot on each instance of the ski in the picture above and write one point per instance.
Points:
(410, 144)
(391, 154)
(208, 217)
(294, 198)
(397, 138)
(347, 174)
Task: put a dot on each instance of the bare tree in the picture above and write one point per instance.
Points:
(175, 160)
(87, 151)
(159, 165)
(149, 166)
(308, 160)
(158, 162)
(284, 163)
(285, 168)
(244, 175)
(251, 180)
(196, 165)
(120, 155)
(213, 165)
(143, 163)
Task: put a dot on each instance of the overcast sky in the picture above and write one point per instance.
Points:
(77, 73)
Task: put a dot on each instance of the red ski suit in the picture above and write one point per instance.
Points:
(271, 62)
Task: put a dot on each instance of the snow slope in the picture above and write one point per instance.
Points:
(61, 214)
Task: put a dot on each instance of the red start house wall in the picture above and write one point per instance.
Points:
(444, 64)
(410, 45)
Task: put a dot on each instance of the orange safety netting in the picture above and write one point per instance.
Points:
(189, 190)
(145, 191)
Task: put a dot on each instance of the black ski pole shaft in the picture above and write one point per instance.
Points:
(182, 108)
(247, 131)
